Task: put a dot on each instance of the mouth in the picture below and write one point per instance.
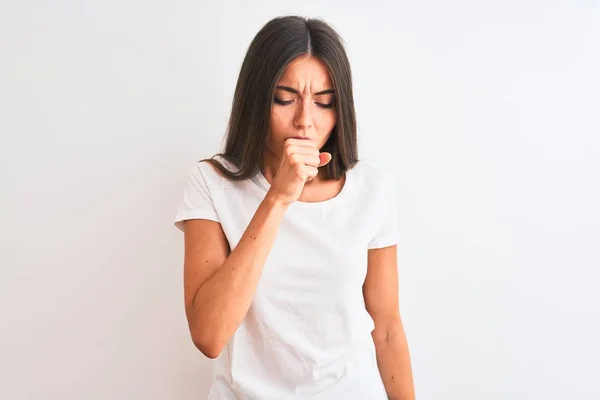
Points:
(300, 137)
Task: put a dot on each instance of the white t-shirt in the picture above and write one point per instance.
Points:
(307, 334)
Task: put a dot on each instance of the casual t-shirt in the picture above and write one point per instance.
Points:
(307, 334)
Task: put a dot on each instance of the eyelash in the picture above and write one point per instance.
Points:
(285, 103)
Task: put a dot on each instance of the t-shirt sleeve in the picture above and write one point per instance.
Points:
(387, 233)
(196, 202)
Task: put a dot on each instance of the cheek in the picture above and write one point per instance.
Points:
(279, 123)
(277, 129)
(326, 122)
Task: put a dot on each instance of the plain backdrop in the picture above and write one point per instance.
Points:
(488, 114)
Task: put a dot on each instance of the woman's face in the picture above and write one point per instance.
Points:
(303, 105)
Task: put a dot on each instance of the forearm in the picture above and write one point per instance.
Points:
(393, 360)
(223, 300)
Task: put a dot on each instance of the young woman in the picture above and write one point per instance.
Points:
(290, 268)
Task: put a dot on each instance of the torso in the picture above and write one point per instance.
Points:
(307, 332)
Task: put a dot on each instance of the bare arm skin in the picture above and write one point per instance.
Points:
(380, 291)
(219, 284)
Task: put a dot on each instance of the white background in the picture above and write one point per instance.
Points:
(487, 112)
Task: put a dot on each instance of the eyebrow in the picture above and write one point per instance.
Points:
(292, 90)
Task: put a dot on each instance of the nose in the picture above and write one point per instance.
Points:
(304, 117)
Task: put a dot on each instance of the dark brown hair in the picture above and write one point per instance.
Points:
(274, 47)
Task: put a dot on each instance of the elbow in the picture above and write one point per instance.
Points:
(210, 347)
(210, 351)
(208, 335)
(389, 331)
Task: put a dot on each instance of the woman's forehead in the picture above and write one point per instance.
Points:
(305, 71)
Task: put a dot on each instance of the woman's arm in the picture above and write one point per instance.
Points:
(380, 291)
(219, 285)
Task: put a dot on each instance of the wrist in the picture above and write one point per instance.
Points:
(275, 200)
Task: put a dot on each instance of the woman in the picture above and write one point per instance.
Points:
(290, 268)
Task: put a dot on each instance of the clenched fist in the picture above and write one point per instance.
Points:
(299, 163)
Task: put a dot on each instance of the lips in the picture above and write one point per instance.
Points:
(300, 137)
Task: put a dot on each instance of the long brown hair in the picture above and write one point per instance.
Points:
(274, 47)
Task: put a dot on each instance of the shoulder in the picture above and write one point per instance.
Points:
(208, 174)
(372, 174)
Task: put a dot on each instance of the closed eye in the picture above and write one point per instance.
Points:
(282, 102)
(287, 102)
(328, 105)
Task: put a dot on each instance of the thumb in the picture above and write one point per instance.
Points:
(325, 158)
